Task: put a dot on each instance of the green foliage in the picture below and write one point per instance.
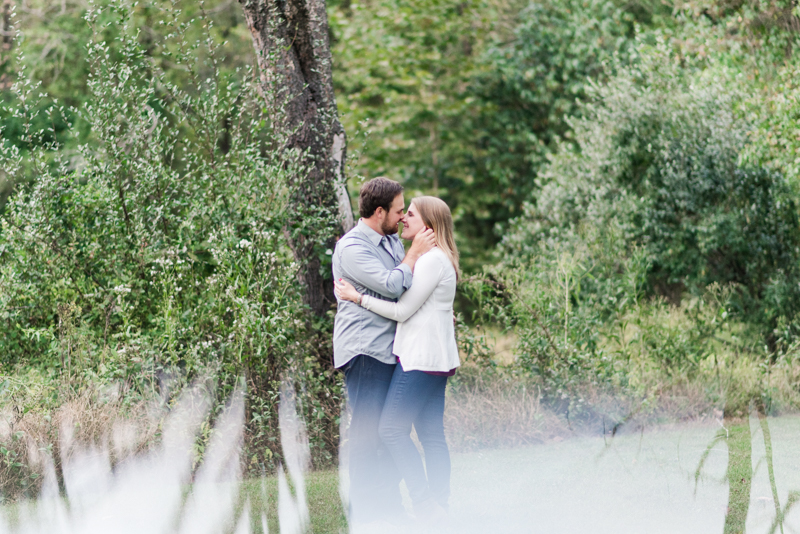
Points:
(537, 79)
(400, 70)
(52, 49)
(646, 156)
(585, 330)
(775, 143)
(656, 160)
(659, 251)
(464, 100)
(17, 474)
(155, 250)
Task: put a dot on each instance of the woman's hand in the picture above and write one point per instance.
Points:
(345, 291)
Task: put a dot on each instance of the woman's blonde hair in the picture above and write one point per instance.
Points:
(436, 215)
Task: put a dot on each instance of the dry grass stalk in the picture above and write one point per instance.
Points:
(488, 413)
(33, 438)
(487, 409)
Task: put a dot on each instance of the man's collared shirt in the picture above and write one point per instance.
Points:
(372, 263)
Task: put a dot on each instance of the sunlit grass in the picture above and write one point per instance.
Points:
(324, 504)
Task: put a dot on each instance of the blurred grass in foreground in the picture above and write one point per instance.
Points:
(324, 504)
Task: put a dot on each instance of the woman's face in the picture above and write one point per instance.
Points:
(412, 223)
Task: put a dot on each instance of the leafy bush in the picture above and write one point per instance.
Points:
(156, 252)
(52, 50)
(774, 142)
(653, 266)
(537, 77)
(656, 161)
(597, 349)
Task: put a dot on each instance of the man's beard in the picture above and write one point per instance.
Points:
(387, 229)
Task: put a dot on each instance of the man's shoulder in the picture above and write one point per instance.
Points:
(354, 237)
(354, 244)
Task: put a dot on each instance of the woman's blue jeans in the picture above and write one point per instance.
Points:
(417, 398)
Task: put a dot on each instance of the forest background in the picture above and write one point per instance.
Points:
(624, 178)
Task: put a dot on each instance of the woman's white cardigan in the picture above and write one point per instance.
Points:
(425, 339)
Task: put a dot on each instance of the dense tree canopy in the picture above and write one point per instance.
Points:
(465, 100)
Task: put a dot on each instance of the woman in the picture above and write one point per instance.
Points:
(426, 351)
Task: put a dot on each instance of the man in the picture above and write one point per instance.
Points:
(372, 258)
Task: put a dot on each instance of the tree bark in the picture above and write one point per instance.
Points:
(6, 42)
(291, 41)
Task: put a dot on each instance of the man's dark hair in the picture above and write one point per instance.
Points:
(377, 193)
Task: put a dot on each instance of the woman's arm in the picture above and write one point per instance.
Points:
(427, 275)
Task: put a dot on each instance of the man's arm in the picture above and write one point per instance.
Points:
(360, 266)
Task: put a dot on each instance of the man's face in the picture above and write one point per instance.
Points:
(393, 217)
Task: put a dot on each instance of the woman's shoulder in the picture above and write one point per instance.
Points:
(434, 256)
(436, 259)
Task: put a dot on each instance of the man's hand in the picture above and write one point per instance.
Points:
(423, 242)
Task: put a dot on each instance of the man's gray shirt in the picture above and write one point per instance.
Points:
(372, 263)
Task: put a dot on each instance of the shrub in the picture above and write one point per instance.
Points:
(653, 264)
(656, 161)
(774, 142)
(157, 252)
(531, 81)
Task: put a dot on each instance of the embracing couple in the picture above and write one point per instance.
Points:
(394, 339)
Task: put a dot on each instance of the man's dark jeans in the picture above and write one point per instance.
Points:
(417, 398)
(374, 479)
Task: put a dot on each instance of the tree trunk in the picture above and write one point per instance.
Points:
(291, 42)
(6, 42)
